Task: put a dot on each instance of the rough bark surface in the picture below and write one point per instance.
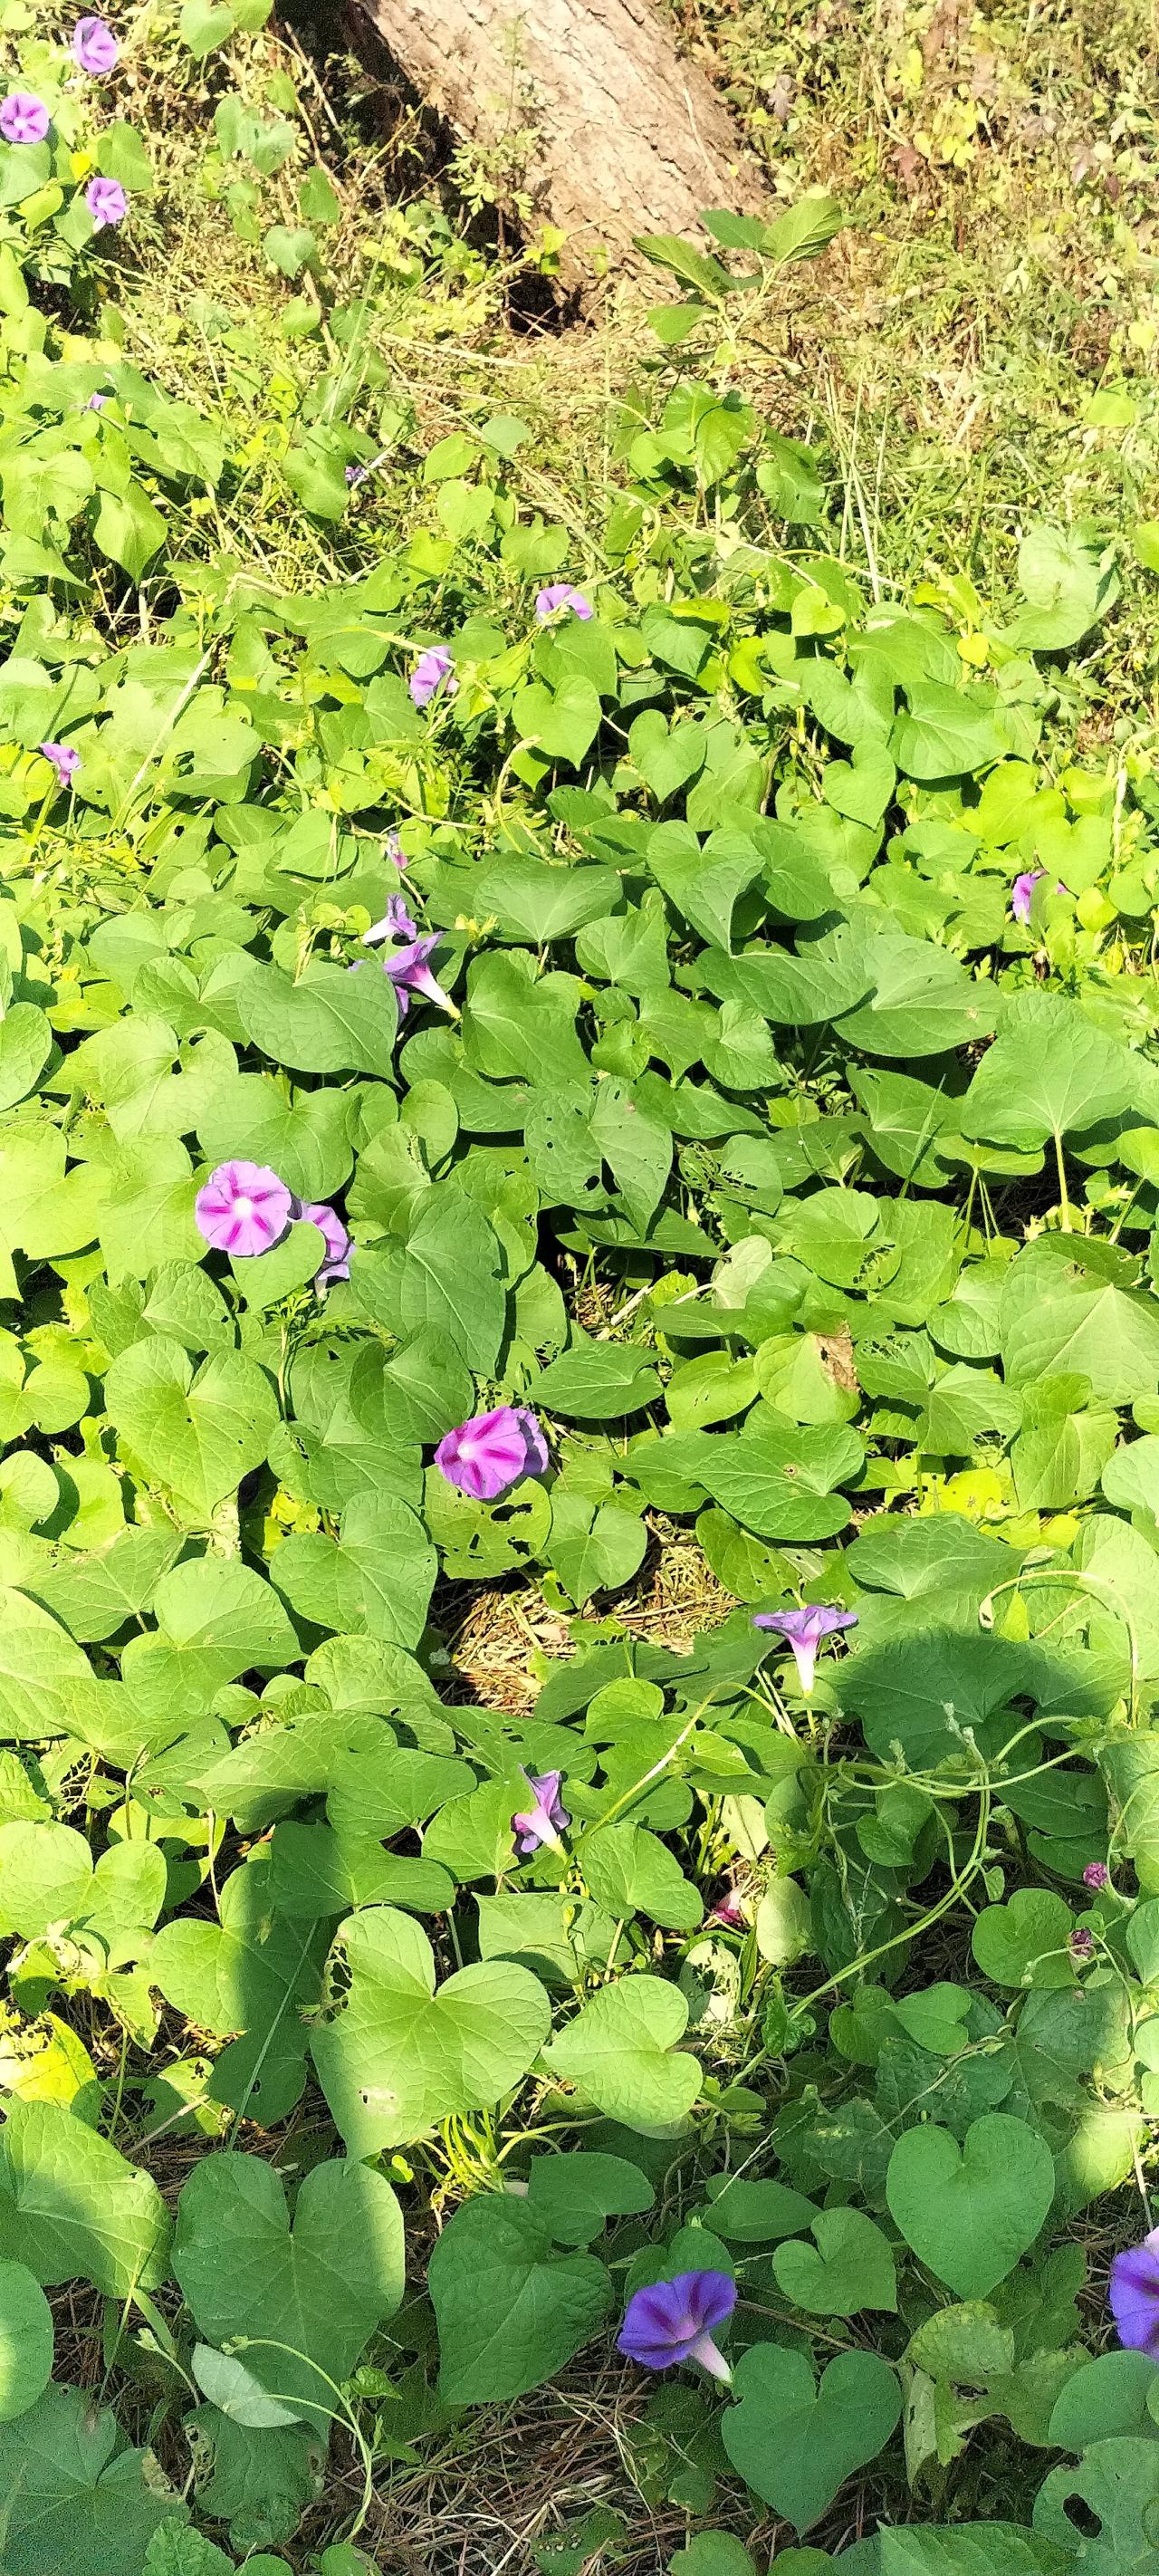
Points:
(628, 138)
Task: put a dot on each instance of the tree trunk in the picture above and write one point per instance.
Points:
(612, 133)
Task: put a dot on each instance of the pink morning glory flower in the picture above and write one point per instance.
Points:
(392, 849)
(673, 2322)
(546, 1818)
(1134, 2293)
(337, 1240)
(1096, 1874)
(433, 675)
(1022, 892)
(803, 1631)
(23, 117)
(64, 759)
(729, 1913)
(106, 202)
(489, 1454)
(94, 46)
(560, 594)
(96, 402)
(243, 1209)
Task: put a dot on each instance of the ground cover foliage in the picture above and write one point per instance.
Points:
(786, 1142)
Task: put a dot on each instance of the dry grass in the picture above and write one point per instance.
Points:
(494, 1633)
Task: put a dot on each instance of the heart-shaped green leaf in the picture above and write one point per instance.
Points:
(72, 2207)
(510, 2312)
(796, 2443)
(306, 2300)
(198, 1435)
(396, 2056)
(1024, 1942)
(332, 1022)
(72, 2498)
(970, 2212)
(850, 2269)
(620, 2053)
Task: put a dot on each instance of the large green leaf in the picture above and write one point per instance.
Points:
(73, 2208)
(970, 2212)
(330, 1022)
(510, 2312)
(69, 2498)
(1048, 1072)
(197, 1434)
(305, 2299)
(795, 2442)
(620, 2053)
(398, 2055)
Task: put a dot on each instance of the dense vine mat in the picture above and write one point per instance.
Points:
(519, 1046)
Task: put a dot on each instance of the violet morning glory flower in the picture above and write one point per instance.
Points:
(489, 1454)
(673, 2321)
(64, 759)
(1081, 1943)
(409, 973)
(433, 676)
(392, 849)
(96, 402)
(94, 46)
(337, 1240)
(803, 1631)
(396, 923)
(243, 1208)
(546, 1818)
(23, 117)
(106, 202)
(1134, 2295)
(560, 594)
(358, 473)
(1096, 1874)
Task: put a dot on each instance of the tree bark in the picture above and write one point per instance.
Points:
(625, 137)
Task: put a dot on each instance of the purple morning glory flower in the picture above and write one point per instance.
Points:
(94, 46)
(396, 923)
(803, 1631)
(392, 849)
(96, 402)
(1096, 1874)
(433, 675)
(23, 117)
(1081, 1943)
(1134, 2295)
(560, 594)
(729, 1913)
(357, 474)
(546, 1818)
(243, 1209)
(673, 2321)
(337, 1240)
(64, 759)
(106, 202)
(489, 1454)
(409, 973)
